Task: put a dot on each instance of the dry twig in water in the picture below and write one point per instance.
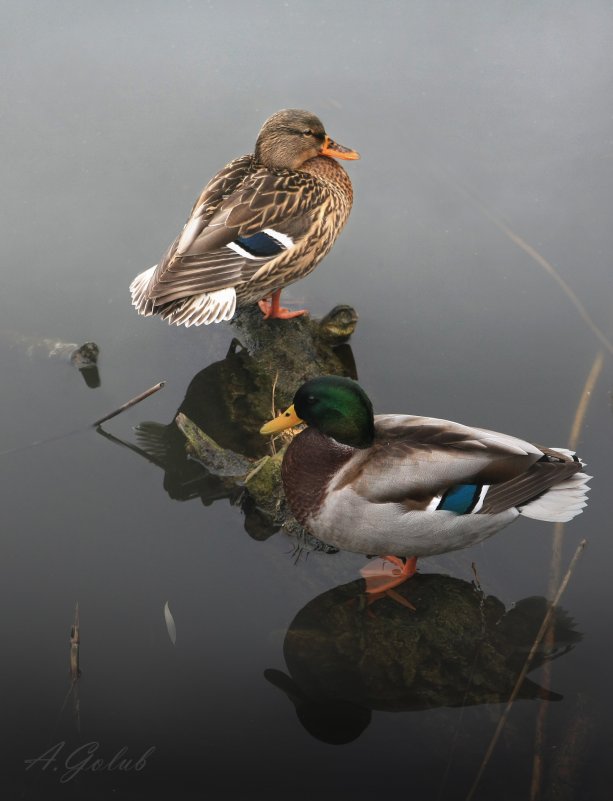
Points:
(130, 403)
(554, 577)
(533, 253)
(524, 671)
(285, 436)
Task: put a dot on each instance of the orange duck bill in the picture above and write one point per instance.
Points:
(336, 151)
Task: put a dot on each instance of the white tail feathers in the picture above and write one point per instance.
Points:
(566, 452)
(563, 501)
(203, 309)
(138, 290)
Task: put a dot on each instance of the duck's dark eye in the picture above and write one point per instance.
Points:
(308, 132)
(311, 399)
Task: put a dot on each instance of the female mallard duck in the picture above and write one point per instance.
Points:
(412, 486)
(266, 220)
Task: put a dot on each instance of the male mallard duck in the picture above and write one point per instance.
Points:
(412, 486)
(266, 220)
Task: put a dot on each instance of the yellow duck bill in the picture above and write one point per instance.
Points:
(286, 419)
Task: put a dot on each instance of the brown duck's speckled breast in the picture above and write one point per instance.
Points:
(328, 209)
(310, 462)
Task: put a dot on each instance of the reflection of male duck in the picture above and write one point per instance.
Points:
(459, 648)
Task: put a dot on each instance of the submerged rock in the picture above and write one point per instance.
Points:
(216, 460)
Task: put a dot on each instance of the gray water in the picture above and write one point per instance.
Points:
(468, 117)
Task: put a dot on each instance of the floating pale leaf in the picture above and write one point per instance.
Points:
(170, 624)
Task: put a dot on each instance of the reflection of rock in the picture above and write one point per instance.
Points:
(83, 357)
(458, 648)
(229, 400)
(211, 450)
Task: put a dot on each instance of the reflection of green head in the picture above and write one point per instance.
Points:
(339, 408)
(330, 720)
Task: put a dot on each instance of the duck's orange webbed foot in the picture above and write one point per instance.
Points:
(387, 573)
(273, 310)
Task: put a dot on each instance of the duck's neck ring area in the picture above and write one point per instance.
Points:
(310, 462)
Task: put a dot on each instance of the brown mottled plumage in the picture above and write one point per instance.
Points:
(261, 223)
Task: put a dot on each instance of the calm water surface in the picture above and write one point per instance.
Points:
(469, 118)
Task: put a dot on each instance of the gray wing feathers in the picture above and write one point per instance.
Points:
(526, 487)
(417, 457)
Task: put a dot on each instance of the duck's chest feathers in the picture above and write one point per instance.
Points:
(335, 185)
(309, 464)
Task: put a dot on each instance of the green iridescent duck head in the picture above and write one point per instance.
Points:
(338, 407)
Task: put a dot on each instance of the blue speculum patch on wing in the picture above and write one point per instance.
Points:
(260, 244)
(461, 498)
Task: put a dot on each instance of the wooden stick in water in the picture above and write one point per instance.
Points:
(75, 640)
(130, 403)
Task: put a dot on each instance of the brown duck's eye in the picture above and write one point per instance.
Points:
(308, 132)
